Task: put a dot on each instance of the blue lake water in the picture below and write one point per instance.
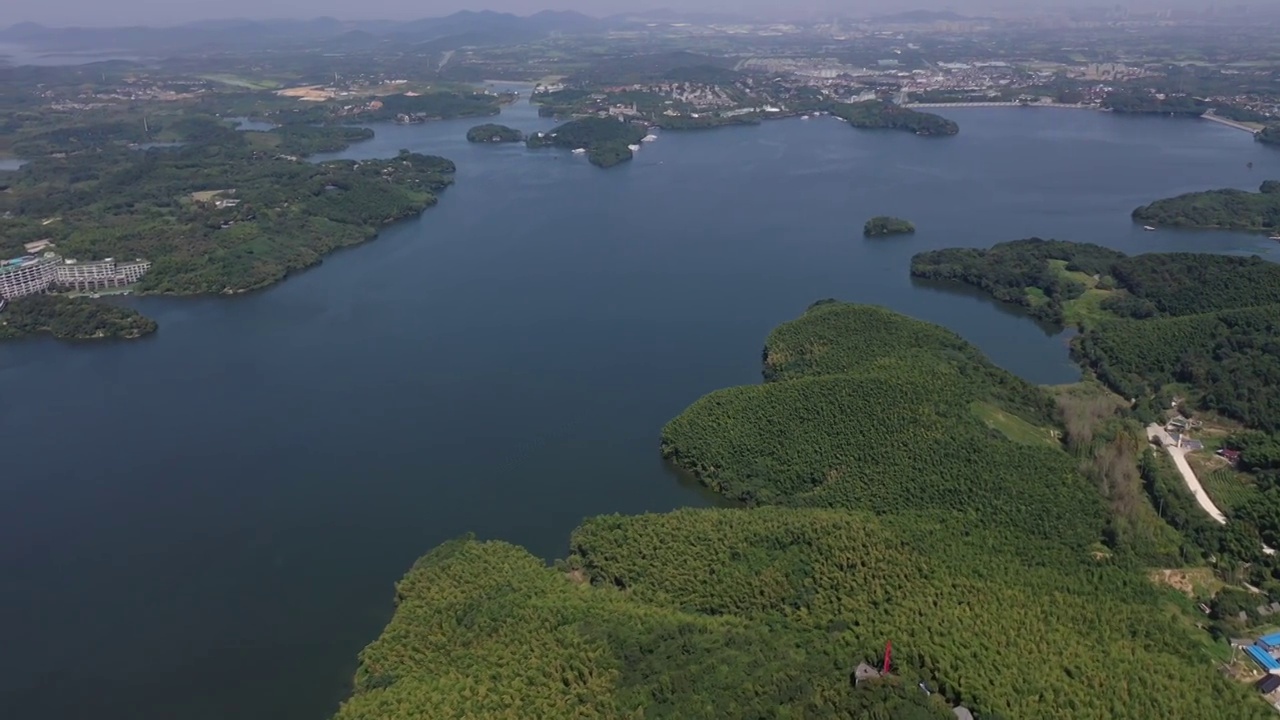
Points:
(208, 523)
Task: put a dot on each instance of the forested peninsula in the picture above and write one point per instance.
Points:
(606, 141)
(875, 114)
(69, 318)
(899, 488)
(1228, 209)
(219, 211)
(1269, 135)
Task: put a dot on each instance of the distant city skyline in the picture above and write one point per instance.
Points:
(68, 13)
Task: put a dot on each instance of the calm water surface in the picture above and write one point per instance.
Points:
(208, 523)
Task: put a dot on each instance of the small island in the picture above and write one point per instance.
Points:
(877, 114)
(494, 133)
(606, 142)
(884, 226)
(1228, 209)
(71, 318)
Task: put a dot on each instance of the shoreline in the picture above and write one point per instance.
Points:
(1210, 116)
(1230, 123)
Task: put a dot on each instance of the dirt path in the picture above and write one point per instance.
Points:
(1188, 475)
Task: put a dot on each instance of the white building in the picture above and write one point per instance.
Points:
(27, 275)
(99, 274)
(32, 275)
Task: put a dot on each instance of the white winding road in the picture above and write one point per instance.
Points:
(1180, 459)
(1193, 483)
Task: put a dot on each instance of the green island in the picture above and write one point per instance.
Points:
(494, 133)
(1269, 135)
(876, 114)
(898, 487)
(606, 141)
(71, 318)
(1228, 209)
(884, 225)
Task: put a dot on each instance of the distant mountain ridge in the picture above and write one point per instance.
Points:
(468, 26)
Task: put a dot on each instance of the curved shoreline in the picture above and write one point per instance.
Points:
(1210, 116)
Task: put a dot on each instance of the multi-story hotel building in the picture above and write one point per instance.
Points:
(27, 275)
(99, 274)
(33, 275)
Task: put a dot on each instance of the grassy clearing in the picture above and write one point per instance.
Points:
(1013, 427)
(1085, 310)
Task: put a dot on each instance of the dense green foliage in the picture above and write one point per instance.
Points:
(1144, 102)
(868, 409)
(1009, 270)
(883, 225)
(883, 114)
(494, 133)
(303, 140)
(1269, 135)
(1167, 284)
(1231, 357)
(160, 205)
(433, 106)
(1232, 209)
(488, 631)
(71, 319)
(606, 140)
(980, 616)
(978, 565)
(705, 121)
(834, 338)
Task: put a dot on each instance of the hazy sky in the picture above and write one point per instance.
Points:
(166, 12)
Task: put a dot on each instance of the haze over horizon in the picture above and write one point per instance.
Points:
(67, 13)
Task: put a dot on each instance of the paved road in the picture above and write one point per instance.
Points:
(1180, 459)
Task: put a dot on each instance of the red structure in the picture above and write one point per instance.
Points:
(888, 650)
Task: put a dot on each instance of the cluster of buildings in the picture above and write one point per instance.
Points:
(1263, 652)
(36, 274)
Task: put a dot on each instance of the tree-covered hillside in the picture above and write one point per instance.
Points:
(981, 564)
(486, 630)
(1020, 272)
(606, 140)
(1207, 321)
(1232, 209)
(880, 114)
(1231, 357)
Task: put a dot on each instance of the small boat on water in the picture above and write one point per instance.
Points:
(649, 138)
(1148, 228)
(579, 151)
(1275, 237)
(633, 148)
(804, 117)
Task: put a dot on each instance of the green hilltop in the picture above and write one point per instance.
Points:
(885, 502)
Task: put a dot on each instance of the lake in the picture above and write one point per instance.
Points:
(208, 523)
